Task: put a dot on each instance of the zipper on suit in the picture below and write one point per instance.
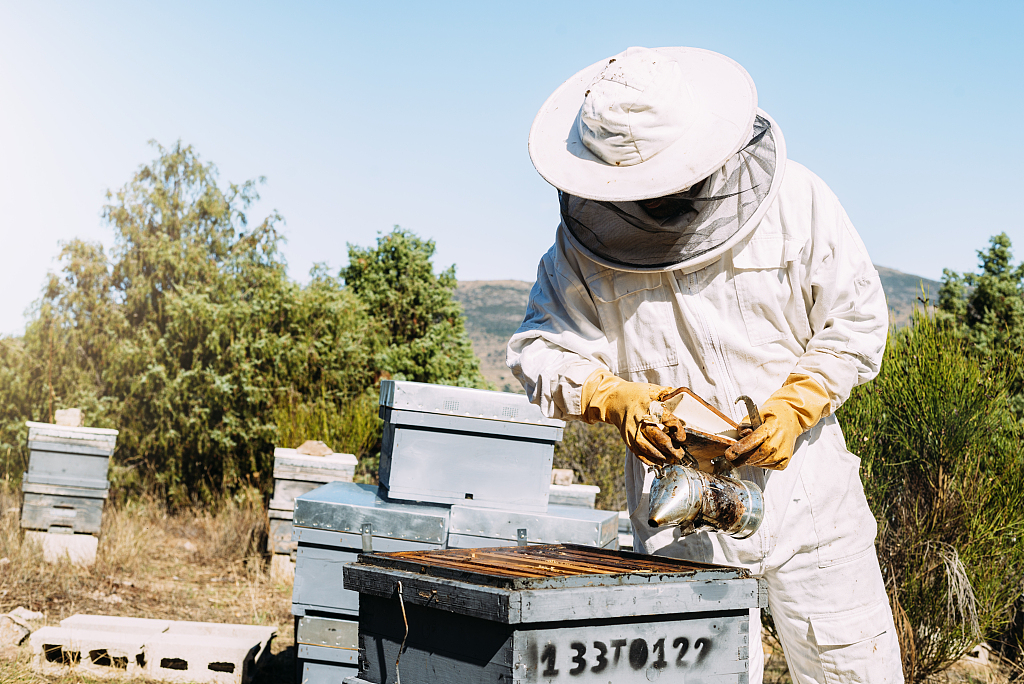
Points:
(712, 342)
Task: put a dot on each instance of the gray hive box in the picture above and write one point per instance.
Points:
(294, 475)
(66, 482)
(455, 445)
(550, 614)
(336, 522)
(327, 649)
(479, 527)
(574, 495)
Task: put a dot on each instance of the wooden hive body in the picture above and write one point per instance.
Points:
(558, 613)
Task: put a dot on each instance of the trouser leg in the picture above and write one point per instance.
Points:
(835, 623)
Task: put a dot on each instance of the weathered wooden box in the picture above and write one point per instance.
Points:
(454, 445)
(66, 482)
(69, 456)
(481, 527)
(296, 474)
(327, 649)
(557, 613)
(574, 495)
(336, 522)
(77, 509)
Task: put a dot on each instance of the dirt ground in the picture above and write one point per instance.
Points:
(204, 565)
(190, 565)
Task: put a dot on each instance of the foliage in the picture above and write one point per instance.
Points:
(191, 340)
(943, 473)
(351, 426)
(595, 454)
(425, 334)
(990, 304)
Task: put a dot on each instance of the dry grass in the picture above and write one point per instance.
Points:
(204, 565)
(966, 671)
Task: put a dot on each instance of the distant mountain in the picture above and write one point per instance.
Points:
(904, 291)
(495, 308)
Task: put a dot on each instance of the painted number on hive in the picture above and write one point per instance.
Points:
(600, 657)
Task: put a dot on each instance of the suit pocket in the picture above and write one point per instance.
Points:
(857, 645)
(763, 288)
(638, 314)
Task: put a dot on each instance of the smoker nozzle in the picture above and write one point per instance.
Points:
(697, 501)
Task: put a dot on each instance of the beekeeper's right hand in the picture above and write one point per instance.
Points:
(608, 398)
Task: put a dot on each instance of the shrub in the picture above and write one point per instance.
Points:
(595, 453)
(943, 473)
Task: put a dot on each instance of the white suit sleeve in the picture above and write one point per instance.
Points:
(560, 342)
(847, 312)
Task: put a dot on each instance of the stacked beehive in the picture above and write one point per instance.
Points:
(65, 487)
(297, 471)
(460, 468)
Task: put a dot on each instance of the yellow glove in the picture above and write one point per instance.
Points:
(608, 398)
(787, 414)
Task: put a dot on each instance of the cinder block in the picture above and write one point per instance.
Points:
(158, 649)
(79, 549)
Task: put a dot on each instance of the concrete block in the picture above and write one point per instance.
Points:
(12, 631)
(158, 649)
(282, 568)
(71, 417)
(79, 549)
(313, 447)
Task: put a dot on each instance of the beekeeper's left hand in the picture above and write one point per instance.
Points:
(792, 410)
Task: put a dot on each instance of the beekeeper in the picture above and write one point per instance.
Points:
(692, 253)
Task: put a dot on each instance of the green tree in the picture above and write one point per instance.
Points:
(425, 334)
(188, 337)
(990, 304)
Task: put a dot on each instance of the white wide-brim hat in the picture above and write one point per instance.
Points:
(662, 119)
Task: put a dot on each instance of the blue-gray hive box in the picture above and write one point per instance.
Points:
(340, 520)
(67, 477)
(294, 475)
(558, 613)
(455, 445)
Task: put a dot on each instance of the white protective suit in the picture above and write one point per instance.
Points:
(799, 293)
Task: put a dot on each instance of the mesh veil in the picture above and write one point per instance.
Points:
(623, 233)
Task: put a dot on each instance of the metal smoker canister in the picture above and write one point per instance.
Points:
(697, 501)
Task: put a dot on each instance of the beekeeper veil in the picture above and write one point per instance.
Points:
(676, 123)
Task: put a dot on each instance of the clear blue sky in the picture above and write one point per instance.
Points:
(362, 116)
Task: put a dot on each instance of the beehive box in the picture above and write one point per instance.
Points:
(64, 488)
(557, 613)
(66, 456)
(574, 495)
(336, 522)
(481, 527)
(455, 445)
(327, 648)
(295, 474)
(79, 509)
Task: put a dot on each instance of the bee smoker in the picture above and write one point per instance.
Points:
(698, 501)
